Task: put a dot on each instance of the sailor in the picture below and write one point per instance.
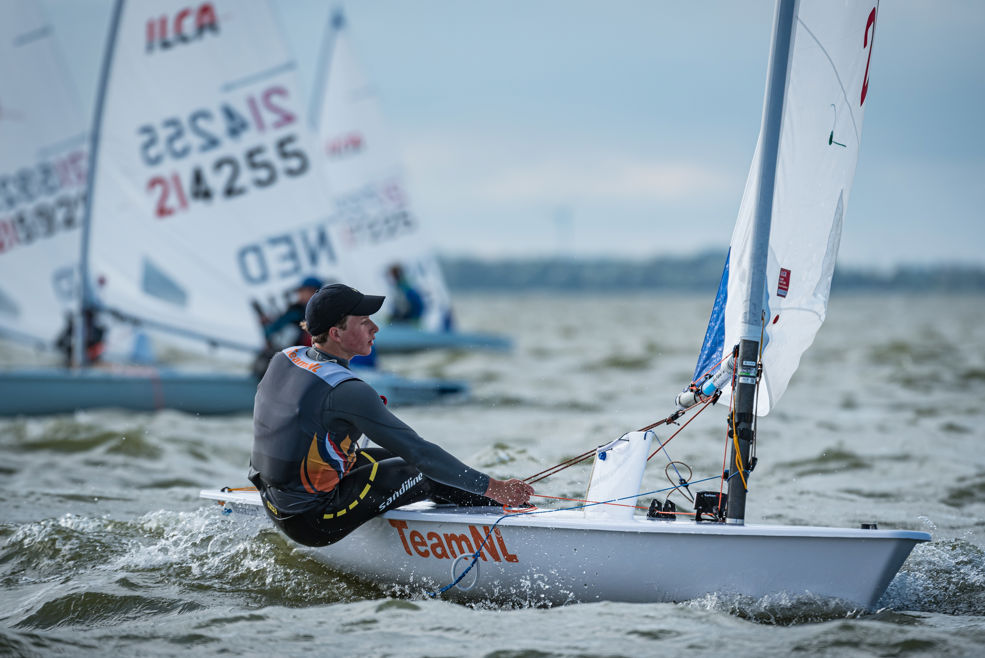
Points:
(316, 483)
(293, 315)
(291, 318)
(94, 337)
(408, 306)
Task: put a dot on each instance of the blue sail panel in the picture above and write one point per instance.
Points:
(711, 348)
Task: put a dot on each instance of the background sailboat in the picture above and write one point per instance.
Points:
(819, 57)
(43, 161)
(376, 224)
(204, 200)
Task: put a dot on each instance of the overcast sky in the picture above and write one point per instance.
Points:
(626, 127)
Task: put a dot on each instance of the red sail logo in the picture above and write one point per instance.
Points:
(188, 25)
(348, 144)
(783, 283)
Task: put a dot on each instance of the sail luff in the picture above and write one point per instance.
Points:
(819, 133)
(336, 21)
(86, 299)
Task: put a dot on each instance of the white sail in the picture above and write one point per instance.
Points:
(821, 127)
(377, 224)
(43, 160)
(206, 190)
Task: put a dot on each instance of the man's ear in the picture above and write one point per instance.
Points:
(333, 333)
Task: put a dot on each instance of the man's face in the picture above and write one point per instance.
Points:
(358, 335)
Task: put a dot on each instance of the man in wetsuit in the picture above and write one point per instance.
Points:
(408, 307)
(287, 322)
(316, 483)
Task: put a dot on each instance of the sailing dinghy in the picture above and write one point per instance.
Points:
(603, 549)
(371, 207)
(205, 200)
(43, 159)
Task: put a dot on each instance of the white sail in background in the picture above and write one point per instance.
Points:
(43, 160)
(821, 129)
(207, 193)
(378, 228)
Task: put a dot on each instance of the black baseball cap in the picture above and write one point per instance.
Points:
(331, 303)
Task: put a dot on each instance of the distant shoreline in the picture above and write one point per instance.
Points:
(699, 273)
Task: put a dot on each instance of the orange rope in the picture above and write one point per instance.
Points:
(713, 368)
(519, 510)
(738, 453)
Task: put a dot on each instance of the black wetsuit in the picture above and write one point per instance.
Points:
(316, 483)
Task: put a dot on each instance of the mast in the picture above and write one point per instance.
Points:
(86, 297)
(741, 428)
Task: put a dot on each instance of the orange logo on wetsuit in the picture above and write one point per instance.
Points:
(313, 366)
(451, 544)
(326, 463)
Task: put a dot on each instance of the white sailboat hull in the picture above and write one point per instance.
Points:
(562, 557)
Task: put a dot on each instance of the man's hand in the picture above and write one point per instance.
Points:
(509, 492)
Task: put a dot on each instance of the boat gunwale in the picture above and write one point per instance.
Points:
(427, 512)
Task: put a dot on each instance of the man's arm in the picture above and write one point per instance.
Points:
(357, 402)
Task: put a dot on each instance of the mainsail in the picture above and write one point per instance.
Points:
(826, 87)
(43, 159)
(206, 189)
(370, 203)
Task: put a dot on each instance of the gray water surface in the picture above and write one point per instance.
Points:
(106, 549)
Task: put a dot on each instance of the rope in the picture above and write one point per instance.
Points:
(681, 428)
(557, 468)
(577, 459)
(489, 532)
(739, 466)
(680, 478)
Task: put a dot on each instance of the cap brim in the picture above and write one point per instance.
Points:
(368, 305)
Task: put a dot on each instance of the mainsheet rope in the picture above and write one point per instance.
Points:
(577, 459)
(531, 512)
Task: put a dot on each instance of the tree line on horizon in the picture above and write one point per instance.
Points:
(699, 273)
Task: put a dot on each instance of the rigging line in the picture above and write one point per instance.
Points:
(557, 468)
(681, 429)
(682, 481)
(664, 421)
(613, 501)
(712, 368)
(671, 462)
(489, 531)
(721, 483)
(759, 378)
(739, 466)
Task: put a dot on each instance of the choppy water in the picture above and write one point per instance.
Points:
(105, 548)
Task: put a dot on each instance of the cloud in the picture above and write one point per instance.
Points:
(481, 170)
(618, 179)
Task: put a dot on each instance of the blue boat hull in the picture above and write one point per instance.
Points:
(51, 391)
